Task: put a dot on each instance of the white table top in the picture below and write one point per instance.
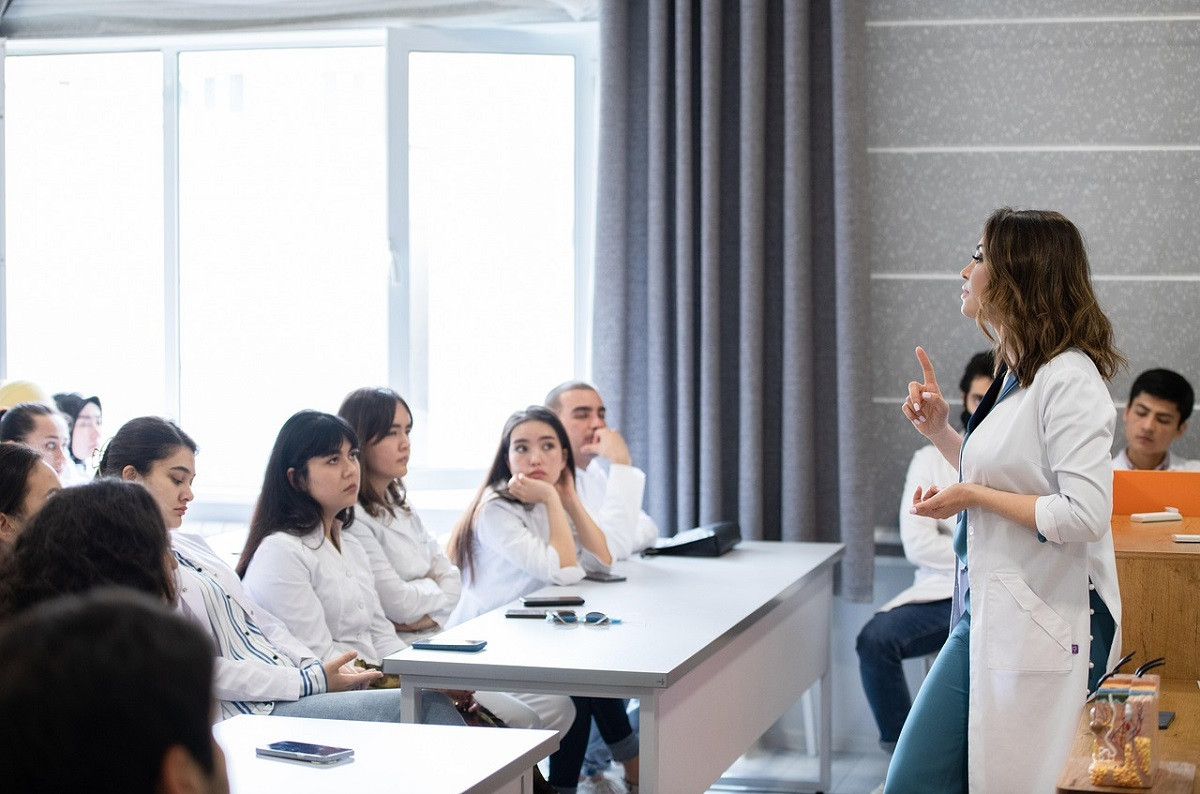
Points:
(431, 759)
(675, 611)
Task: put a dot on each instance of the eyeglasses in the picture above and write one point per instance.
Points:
(568, 617)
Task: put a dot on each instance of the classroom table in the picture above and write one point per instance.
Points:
(430, 759)
(716, 650)
(1160, 583)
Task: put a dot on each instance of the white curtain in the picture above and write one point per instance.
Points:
(55, 18)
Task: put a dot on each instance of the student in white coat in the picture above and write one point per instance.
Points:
(998, 710)
(416, 583)
(609, 485)
(1160, 403)
(526, 528)
(260, 667)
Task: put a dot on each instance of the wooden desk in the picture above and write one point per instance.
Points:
(1179, 743)
(1160, 594)
(431, 759)
(716, 649)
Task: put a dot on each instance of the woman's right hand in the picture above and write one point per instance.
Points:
(924, 406)
(341, 675)
(530, 490)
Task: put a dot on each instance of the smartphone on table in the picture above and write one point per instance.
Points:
(536, 613)
(552, 601)
(435, 644)
(304, 751)
(603, 576)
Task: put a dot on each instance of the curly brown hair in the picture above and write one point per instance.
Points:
(1040, 293)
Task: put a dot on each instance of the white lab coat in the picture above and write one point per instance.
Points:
(1029, 599)
(613, 498)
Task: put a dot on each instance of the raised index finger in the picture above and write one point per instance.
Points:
(927, 370)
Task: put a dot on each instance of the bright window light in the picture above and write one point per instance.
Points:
(83, 175)
(283, 245)
(491, 209)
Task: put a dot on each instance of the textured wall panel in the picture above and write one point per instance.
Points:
(908, 313)
(1137, 210)
(1156, 326)
(906, 10)
(1055, 84)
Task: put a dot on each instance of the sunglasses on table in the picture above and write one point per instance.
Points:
(568, 617)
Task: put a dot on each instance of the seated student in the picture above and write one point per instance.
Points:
(26, 482)
(525, 529)
(416, 583)
(260, 667)
(84, 420)
(917, 621)
(298, 563)
(1160, 403)
(109, 691)
(39, 427)
(104, 533)
(609, 486)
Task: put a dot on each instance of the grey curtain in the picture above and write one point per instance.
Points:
(731, 276)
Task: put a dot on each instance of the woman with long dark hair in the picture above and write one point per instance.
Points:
(298, 562)
(526, 528)
(1000, 705)
(261, 668)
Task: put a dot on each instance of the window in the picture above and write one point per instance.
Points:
(282, 245)
(84, 226)
(293, 218)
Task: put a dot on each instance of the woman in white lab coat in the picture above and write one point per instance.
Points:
(998, 710)
(525, 529)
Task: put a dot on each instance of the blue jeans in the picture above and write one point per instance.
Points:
(609, 713)
(931, 755)
(598, 756)
(906, 632)
(369, 705)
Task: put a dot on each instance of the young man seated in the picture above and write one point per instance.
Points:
(107, 691)
(1160, 403)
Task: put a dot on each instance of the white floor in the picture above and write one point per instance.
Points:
(853, 772)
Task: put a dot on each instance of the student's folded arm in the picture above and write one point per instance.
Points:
(504, 527)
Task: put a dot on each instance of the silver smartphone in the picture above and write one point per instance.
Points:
(303, 751)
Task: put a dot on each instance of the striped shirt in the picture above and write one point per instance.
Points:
(234, 630)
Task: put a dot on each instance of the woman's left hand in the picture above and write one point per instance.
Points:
(944, 502)
(566, 488)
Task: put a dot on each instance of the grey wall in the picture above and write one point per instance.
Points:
(1088, 107)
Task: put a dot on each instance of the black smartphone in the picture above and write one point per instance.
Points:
(434, 644)
(303, 751)
(552, 601)
(1164, 719)
(603, 576)
(535, 614)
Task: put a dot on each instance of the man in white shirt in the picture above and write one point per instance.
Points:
(1160, 403)
(609, 486)
(917, 622)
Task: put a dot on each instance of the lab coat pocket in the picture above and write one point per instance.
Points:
(1023, 632)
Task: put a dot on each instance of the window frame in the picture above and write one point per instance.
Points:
(406, 371)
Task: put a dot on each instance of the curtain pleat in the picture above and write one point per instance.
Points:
(731, 276)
